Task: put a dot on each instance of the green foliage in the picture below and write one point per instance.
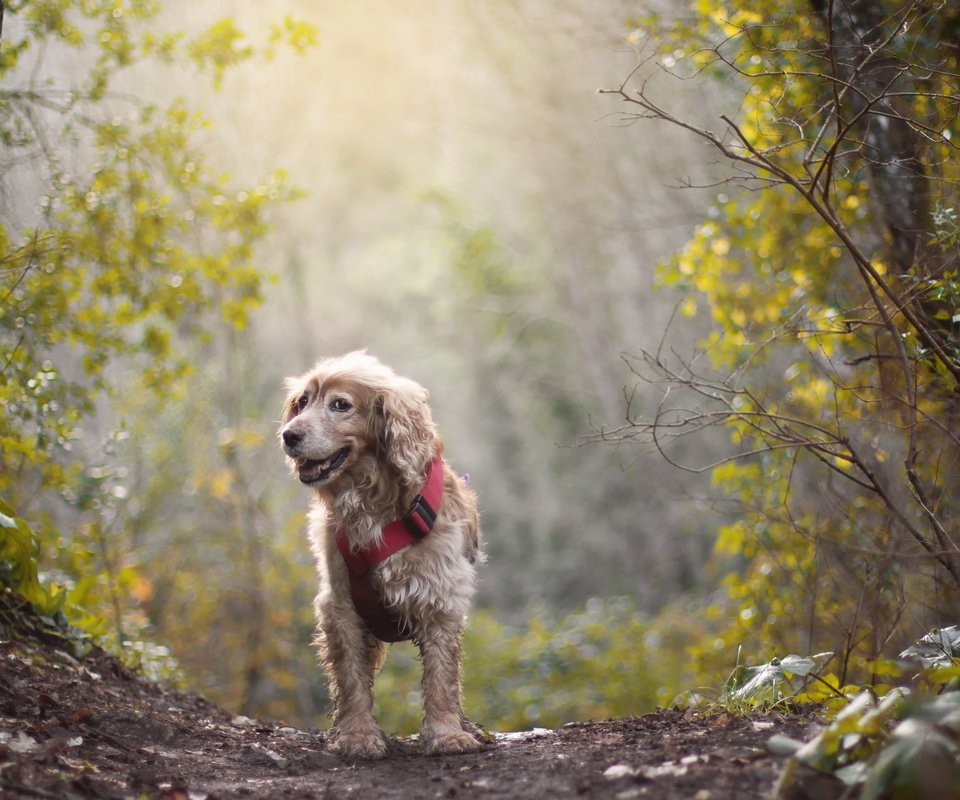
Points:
(899, 746)
(18, 565)
(591, 664)
(834, 347)
(886, 741)
(137, 240)
(141, 251)
(759, 688)
(939, 648)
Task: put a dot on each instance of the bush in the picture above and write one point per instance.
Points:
(591, 664)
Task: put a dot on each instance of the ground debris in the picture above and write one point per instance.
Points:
(74, 729)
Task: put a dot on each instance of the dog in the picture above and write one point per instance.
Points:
(390, 566)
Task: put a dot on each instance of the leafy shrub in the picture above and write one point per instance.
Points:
(890, 741)
(592, 663)
(897, 746)
(18, 565)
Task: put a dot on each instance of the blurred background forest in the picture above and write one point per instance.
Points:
(201, 199)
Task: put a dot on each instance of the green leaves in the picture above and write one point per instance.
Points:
(939, 648)
(18, 566)
(904, 744)
(783, 668)
(898, 747)
(140, 251)
(758, 688)
(222, 46)
(133, 251)
(834, 349)
(592, 663)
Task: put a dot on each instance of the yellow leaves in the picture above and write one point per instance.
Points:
(735, 474)
(801, 278)
(783, 290)
(163, 45)
(730, 22)
(297, 34)
(243, 437)
(220, 483)
(885, 667)
(814, 392)
(219, 47)
(48, 17)
(720, 246)
(18, 551)
(224, 45)
(686, 264)
(731, 538)
(738, 317)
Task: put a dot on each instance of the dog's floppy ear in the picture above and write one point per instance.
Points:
(404, 429)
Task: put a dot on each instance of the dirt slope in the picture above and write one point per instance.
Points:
(72, 729)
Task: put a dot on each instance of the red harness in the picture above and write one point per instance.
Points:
(385, 624)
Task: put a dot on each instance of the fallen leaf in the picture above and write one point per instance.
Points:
(23, 744)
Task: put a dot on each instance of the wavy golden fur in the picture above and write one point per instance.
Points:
(363, 437)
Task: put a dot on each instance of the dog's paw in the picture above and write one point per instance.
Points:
(450, 742)
(477, 730)
(360, 745)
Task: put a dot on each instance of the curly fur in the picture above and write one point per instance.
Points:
(362, 437)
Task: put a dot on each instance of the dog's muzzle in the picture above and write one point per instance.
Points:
(314, 471)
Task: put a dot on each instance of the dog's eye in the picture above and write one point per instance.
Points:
(339, 404)
(301, 402)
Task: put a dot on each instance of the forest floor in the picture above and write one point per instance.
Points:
(86, 728)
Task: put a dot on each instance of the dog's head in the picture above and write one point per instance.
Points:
(352, 409)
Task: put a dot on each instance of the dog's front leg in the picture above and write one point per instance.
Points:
(351, 656)
(443, 721)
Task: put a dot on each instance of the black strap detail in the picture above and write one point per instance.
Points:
(420, 519)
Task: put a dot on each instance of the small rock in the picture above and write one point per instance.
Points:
(264, 755)
(524, 736)
(668, 768)
(617, 771)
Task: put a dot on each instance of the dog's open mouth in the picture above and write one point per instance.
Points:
(312, 471)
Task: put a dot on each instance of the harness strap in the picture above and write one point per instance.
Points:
(416, 523)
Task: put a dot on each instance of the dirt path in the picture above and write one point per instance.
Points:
(71, 729)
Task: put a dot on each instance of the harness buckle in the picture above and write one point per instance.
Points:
(419, 520)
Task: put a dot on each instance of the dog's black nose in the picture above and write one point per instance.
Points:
(292, 438)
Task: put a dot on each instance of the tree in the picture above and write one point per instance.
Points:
(119, 247)
(829, 265)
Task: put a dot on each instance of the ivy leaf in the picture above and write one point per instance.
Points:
(938, 648)
(797, 665)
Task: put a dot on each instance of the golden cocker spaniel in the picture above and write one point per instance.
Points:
(396, 538)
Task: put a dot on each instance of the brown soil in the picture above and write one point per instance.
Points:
(91, 728)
